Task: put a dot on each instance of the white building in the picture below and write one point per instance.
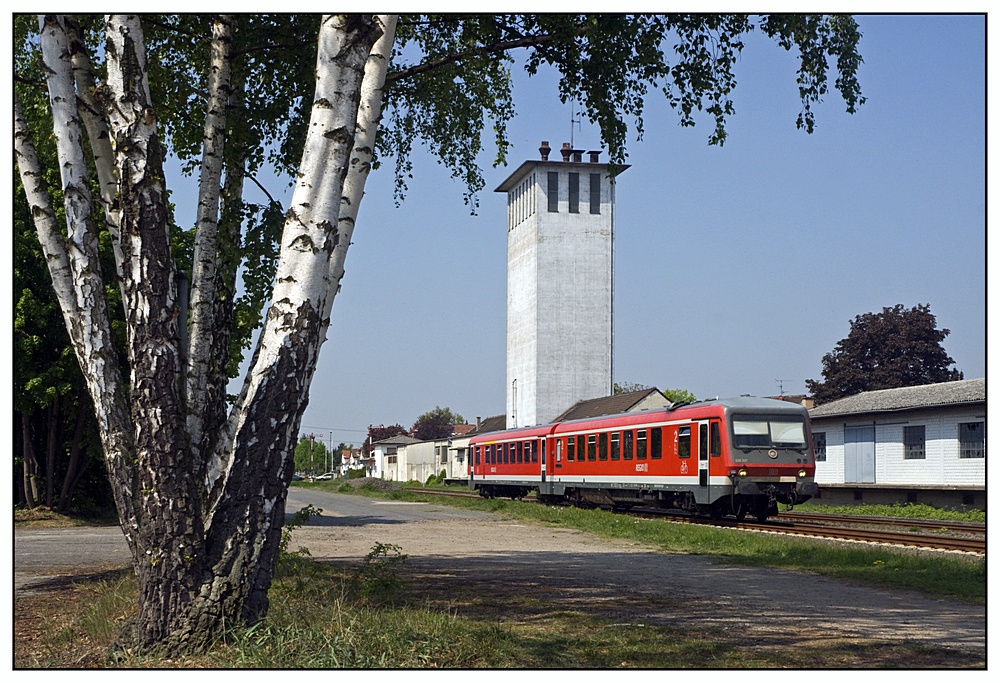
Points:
(390, 457)
(560, 235)
(900, 444)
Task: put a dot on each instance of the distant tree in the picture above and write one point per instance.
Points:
(898, 347)
(679, 396)
(311, 455)
(376, 434)
(436, 424)
(627, 388)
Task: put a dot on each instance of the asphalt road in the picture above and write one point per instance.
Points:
(42, 554)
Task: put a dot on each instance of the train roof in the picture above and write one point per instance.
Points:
(735, 404)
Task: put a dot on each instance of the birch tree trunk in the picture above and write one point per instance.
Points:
(202, 505)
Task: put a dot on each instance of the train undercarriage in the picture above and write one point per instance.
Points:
(746, 498)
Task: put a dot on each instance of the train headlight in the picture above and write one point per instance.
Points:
(802, 473)
(742, 472)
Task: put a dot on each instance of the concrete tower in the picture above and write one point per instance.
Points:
(560, 235)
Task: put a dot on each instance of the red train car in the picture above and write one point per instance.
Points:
(734, 456)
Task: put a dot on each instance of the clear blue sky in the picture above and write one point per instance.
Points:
(736, 267)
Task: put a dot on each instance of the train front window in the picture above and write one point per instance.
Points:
(760, 432)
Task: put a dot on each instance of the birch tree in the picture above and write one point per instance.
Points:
(200, 483)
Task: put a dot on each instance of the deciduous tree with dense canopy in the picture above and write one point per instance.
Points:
(199, 478)
(897, 347)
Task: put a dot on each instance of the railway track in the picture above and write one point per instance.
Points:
(951, 536)
(921, 524)
(975, 544)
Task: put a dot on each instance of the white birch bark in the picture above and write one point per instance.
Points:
(204, 325)
(369, 116)
(74, 263)
(97, 133)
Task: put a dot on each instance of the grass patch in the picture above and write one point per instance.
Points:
(900, 510)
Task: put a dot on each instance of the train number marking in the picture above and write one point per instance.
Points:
(642, 467)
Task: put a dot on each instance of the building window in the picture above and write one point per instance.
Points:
(442, 454)
(819, 446)
(574, 193)
(914, 442)
(553, 192)
(595, 193)
(972, 439)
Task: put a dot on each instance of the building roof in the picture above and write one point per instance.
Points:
(496, 423)
(608, 405)
(462, 429)
(906, 398)
(398, 440)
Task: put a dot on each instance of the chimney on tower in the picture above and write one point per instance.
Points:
(566, 151)
(544, 150)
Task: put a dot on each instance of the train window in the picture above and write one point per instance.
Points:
(534, 450)
(703, 442)
(716, 440)
(684, 441)
(640, 444)
(591, 447)
(477, 451)
(656, 443)
(615, 446)
(581, 444)
(506, 454)
(570, 449)
(627, 445)
(520, 452)
(602, 446)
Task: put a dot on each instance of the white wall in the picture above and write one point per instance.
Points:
(941, 466)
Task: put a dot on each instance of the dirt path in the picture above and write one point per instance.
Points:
(631, 583)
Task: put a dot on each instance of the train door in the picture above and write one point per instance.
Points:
(541, 444)
(703, 454)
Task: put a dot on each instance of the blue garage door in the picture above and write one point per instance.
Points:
(859, 455)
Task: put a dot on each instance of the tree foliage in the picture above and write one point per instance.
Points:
(679, 396)
(897, 347)
(435, 424)
(609, 63)
(376, 434)
(312, 455)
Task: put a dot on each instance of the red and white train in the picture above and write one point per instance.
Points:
(734, 456)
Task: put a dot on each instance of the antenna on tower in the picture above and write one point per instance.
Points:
(573, 121)
(781, 387)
